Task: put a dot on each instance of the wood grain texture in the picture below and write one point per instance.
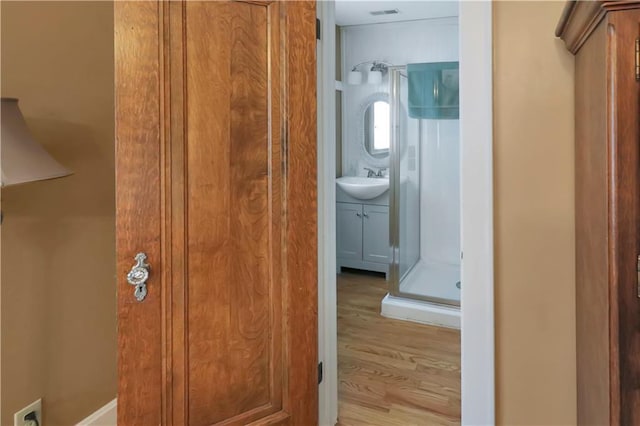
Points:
(233, 224)
(301, 212)
(176, 253)
(607, 222)
(138, 209)
(624, 209)
(229, 204)
(580, 18)
(592, 264)
(392, 372)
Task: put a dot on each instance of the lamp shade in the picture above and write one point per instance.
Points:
(22, 159)
(374, 77)
(355, 77)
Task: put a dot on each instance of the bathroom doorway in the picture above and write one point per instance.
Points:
(374, 287)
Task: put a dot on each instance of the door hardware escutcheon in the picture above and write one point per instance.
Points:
(138, 276)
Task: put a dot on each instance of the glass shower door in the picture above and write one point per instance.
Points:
(424, 201)
(404, 183)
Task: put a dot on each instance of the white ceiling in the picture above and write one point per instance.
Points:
(357, 12)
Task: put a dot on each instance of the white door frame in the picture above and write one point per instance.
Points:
(476, 164)
(476, 181)
(327, 286)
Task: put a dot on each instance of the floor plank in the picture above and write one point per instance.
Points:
(392, 373)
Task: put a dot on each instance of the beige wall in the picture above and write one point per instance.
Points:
(58, 291)
(534, 224)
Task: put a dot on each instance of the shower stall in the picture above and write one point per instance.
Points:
(424, 203)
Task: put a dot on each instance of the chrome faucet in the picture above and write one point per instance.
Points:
(373, 173)
(370, 172)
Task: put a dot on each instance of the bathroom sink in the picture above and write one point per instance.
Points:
(363, 188)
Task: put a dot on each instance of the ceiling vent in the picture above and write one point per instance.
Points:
(385, 12)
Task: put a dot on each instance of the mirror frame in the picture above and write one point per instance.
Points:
(381, 162)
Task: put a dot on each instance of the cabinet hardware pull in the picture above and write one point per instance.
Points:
(365, 215)
(638, 59)
(358, 214)
(138, 276)
(638, 279)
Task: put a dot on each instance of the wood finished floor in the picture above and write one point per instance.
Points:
(392, 373)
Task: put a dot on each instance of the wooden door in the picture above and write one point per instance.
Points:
(216, 184)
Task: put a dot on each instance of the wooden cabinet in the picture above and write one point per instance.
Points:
(604, 36)
(362, 240)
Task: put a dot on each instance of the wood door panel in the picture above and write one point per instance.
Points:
(218, 104)
(301, 206)
(138, 198)
(624, 208)
(591, 205)
(234, 208)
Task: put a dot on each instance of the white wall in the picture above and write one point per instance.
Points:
(400, 43)
(440, 191)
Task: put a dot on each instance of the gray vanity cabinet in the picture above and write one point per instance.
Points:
(349, 231)
(362, 240)
(375, 234)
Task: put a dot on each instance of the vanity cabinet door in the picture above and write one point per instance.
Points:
(375, 244)
(349, 231)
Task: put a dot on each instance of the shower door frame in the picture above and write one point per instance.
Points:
(395, 76)
(394, 182)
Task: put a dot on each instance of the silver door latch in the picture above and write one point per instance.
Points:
(138, 276)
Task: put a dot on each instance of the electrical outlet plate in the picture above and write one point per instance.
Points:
(18, 417)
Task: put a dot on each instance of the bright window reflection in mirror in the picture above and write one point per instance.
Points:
(376, 128)
(381, 126)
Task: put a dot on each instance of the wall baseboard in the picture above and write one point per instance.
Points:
(104, 416)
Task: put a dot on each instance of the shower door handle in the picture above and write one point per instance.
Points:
(138, 276)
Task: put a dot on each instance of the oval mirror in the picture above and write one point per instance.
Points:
(377, 128)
